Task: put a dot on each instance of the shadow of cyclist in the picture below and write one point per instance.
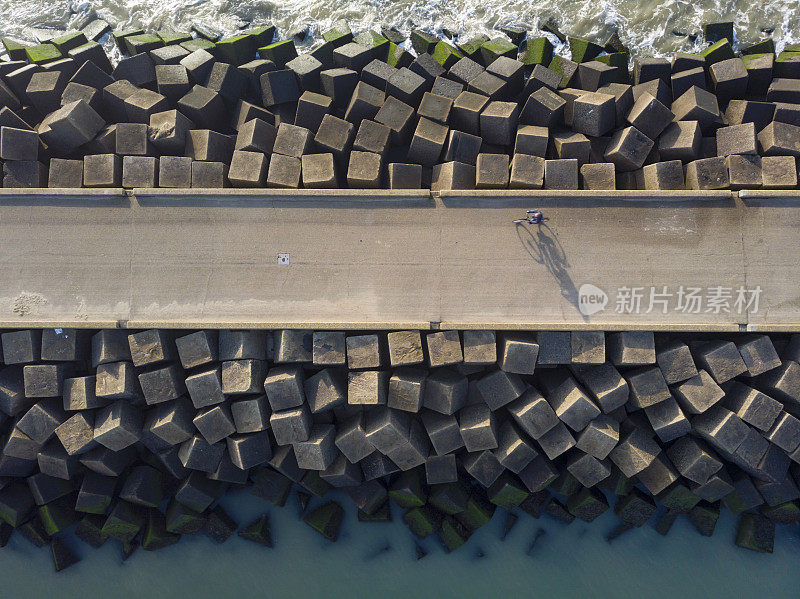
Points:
(543, 246)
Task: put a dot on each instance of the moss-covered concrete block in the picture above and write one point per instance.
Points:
(783, 513)
(766, 46)
(15, 48)
(450, 498)
(381, 514)
(423, 42)
(583, 50)
(183, 520)
(704, 516)
(422, 521)
(90, 530)
(678, 498)
(636, 508)
(235, 50)
(408, 491)
(446, 54)
(58, 515)
(312, 483)
(258, 531)
(124, 522)
(452, 534)
(155, 535)
(494, 49)
(478, 513)
(42, 53)
(587, 504)
(326, 520)
(717, 52)
(471, 48)
(755, 532)
(507, 492)
(270, 486)
(538, 50)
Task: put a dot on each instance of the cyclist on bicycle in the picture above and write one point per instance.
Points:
(535, 217)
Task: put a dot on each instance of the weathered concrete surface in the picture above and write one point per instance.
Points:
(386, 259)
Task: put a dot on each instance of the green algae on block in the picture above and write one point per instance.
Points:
(15, 48)
(68, 41)
(507, 492)
(119, 36)
(717, 52)
(613, 44)
(136, 44)
(156, 536)
(326, 520)
(636, 508)
(566, 484)
(339, 35)
(398, 56)
(34, 532)
(198, 43)
(704, 516)
(42, 53)
(564, 67)
(171, 38)
(766, 46)
(58, 515)
(423, 42)
(258, 531)
(90, 530)
(280, 52)
(315, 485)
(270, 486)
(124, 522)
(407, 491)
(374, 40)
(787, 65)
(183, 520)
(678, 498)
(784, 513)
(587, 504)
(422, 521)
(583, 50)
(755, 532)
(452, 534)
(382, 514)
(494, 49)
(446, 54)
(616, 59)
(261, 36)
(236, 50)
(472, 47)
(450, 498)
(535, 51)
(477, 513)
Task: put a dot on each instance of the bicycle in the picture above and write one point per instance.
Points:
(534, 217)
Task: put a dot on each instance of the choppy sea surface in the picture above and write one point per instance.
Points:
(377, 560)
(648, 27)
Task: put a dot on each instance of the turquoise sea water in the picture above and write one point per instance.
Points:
(378, 560)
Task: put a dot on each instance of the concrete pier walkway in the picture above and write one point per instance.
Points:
(383, 259)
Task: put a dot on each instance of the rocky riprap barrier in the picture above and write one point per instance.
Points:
(183, 110)
(135, 436)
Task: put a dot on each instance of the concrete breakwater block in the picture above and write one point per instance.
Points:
(200, 98)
